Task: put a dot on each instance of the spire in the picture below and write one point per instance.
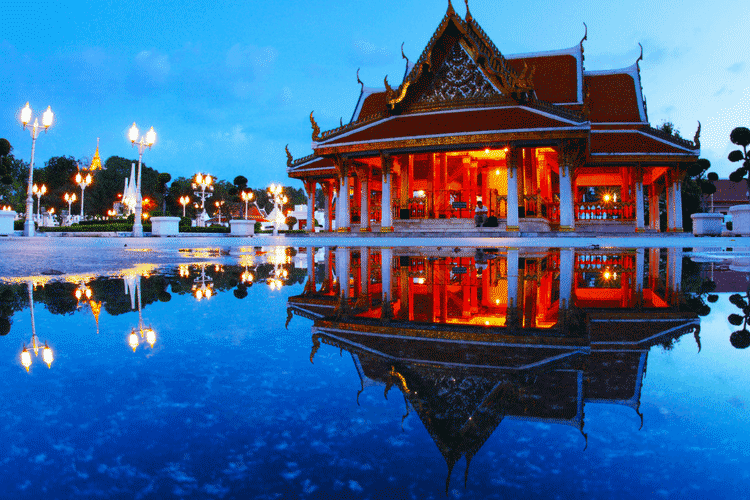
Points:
(468, 12)
(450, 9)
(96, 163)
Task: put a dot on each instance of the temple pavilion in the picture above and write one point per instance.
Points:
(545, 144)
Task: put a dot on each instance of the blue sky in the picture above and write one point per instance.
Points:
(226, 85)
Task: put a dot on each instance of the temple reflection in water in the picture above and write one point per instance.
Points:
(474, 336)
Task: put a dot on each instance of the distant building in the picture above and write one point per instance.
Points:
(728, 194)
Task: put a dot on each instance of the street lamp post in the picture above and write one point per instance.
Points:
(276, 192)
(247, 196)
(83, 183)
(28, 225)
(203, 182)
(184, 200)
(147, 140)
(47, 355)
(39, 191)
(70, 198)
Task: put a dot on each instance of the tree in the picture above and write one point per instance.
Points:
(741, 137)
(290, 222)
(698, 185)
(5, 149)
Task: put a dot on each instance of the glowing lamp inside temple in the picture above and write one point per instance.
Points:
(487, 151)
(26, 356)
(133, 340)
(47, 356)
(607, 197)
(26, 115)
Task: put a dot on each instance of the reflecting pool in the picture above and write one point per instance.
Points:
(276, 372)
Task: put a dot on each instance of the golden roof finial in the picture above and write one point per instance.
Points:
(585, 37)
(289, 158)
(450, 9)
(315, 127)
(96, 163)
(640, 58)
(697, 141)
(468, 12)
(360, 81)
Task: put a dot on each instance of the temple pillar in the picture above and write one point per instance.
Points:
(342, 270)
(674, 269)
(386, 265)
(386, 210)
(670, 205)
(363, 174)
(364, 275)
(639, 269)
(310, 187)
(678, 206)
(342, 204)
(567, 219)
(512, 219)
(653, 206)
(406, 168)
(310, 286)
(328, 200)
(511, 316)
(640, 214)
(567, 275)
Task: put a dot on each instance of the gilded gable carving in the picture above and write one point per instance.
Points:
(458, 77)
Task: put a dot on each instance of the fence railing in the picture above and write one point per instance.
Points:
(605, 211)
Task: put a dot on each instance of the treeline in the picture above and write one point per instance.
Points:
(163, 192)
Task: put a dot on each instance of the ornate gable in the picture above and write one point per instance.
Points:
(459, 77)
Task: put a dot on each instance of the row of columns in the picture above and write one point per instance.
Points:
(566, 276)
(567, 215)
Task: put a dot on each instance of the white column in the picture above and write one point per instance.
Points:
(311, 206)
(342, 270)
(386, 213)
(678, 206)
(639, 269)
(342, 221)
(364, 270)
(670, 206)
(674, 269)
(567, 219)
(567, 265)
(364, 201)
(512, 221)
(310, 286)
(639, 208)
(386, 265)
(512, 264)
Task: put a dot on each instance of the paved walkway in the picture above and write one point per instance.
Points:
(21, 257)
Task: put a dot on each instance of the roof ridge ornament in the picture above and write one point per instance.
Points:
(450, 11)
(697, 139)
(640, 58)
(360, 81)
(289, 159)
(469, 17)
(585, 37)
(315, 127)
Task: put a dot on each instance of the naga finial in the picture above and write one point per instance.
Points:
(697, 138)
(388, 88)
(585, 37)
(289, 158)
(360, 81)
(403, 56)
(341, 121)
(316, 129)
(315, 346)
(640, 57)
(468, 12)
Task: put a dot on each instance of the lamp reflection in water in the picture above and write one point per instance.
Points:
(147, 334)
(47, 355)
(279, 274)
(84, 295)
(203, 287)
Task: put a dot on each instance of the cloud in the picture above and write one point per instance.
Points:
(250, 59)
(149, 71)
(366, 53)
(737, 67)
(723, 90)
(233, 141)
